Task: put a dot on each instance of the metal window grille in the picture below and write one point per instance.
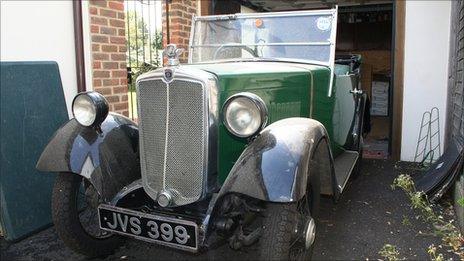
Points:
(144, 43)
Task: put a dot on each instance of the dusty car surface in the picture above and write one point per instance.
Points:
(236, 146)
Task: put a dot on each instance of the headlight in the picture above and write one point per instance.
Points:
(90, 108)
(244, 114)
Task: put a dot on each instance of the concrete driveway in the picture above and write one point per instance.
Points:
(368, 216)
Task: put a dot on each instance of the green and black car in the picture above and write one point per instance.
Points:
(236, 146)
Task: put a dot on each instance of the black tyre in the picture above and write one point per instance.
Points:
(284, 231)
(289, 229)
(74, 213)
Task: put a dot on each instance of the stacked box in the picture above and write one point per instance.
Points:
(380, 91)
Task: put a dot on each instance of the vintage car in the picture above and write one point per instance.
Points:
(236, 146)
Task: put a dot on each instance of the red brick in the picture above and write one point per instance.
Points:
(118, 40)
(101, 3)
(112, 98)
(109, 48)
(121, 106)
(101, 74)
(110, 65)
(123, 65)
(98, 20)
(96, 65)
(118, 57)
(177, 6)
(175, 13)
(94, 28)
(121, 32)
(119, 74)
(93, 10)
(97, 83)
(108, 13)
(123, 81)
(104, 90)
(118, 23)
(121, 15)
(122, 48)
(125, 113)
(116, 5)
(99, 38)
(124, 97)
(181, 33)
(187, 16)
(175, 27)
(95, 47)
(101, 56)
(178, 20)
(120, 89)
(110, 82)
(108, 30)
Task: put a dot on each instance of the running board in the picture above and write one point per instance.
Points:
(344, 165)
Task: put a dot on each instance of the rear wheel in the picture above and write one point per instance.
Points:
(74, 213)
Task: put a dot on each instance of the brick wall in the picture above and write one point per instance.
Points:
(455, 103)
(180, 23)
(107, 29)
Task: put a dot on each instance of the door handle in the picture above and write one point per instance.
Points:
(357, 91)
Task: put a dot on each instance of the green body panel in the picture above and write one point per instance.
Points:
(288, 89)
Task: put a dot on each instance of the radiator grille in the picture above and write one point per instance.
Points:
(173, 136)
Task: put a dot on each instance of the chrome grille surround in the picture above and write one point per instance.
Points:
(178, 119)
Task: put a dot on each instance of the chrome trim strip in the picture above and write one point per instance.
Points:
(269, 14)
(166, 136)
(264, 44)
(287, 60)
(333, 39)
(150, 216)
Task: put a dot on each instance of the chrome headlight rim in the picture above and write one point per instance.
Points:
(100, 107)
(260, 105)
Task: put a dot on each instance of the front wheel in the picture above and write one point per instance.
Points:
(74, 213)
(289, 232)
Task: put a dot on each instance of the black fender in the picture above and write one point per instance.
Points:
(274, 167)
(108, 158)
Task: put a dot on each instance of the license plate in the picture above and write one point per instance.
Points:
(173, 232)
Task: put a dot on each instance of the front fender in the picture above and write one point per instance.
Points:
(109, 160)
(275, 166)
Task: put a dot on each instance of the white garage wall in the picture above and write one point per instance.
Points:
(427, 36)
(40, 31)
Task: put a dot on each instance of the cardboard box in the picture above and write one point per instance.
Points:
(380, 98)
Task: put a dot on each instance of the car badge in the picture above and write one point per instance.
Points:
(168, 73)
(172, 54)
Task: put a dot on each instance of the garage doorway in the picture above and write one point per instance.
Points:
(368, 30)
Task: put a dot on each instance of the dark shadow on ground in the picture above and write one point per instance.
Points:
(368, 215)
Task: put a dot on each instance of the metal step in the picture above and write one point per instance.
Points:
(344, 164)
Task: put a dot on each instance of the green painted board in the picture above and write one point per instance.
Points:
(32, 109)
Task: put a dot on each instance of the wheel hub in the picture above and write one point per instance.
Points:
(310, 233)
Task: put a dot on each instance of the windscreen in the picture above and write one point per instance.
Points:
(308, 35)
